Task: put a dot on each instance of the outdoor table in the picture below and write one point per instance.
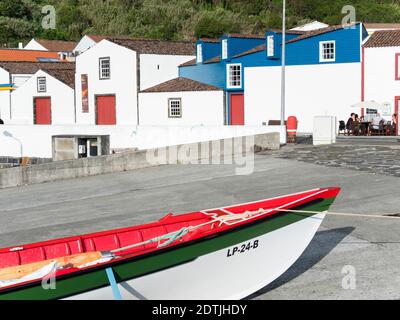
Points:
(364, 126)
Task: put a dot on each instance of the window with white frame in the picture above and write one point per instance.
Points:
(271, 49)
(105, 68)
(234, 76)
(225, 49)
(327, 51)
(175, 108)
(199, 53)
(41, 84)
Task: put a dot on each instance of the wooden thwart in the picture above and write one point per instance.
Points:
(74, 261)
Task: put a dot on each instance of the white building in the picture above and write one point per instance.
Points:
(63, 48)
(314, 25)
(182, 102)
(87, 42)
(17, 74)
(110, 75)
(381, 71)
(47, 98)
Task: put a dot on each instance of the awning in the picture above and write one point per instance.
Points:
(368, 105)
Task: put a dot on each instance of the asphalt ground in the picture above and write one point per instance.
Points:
(349, 258)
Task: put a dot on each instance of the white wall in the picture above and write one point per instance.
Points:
(19, 79)
(36, 140)
(4, 96)
(315, 25)
(156, 69)
(62, 101)
(84, 44)
(198, 108)
(122, 83)
(314, 90)
(380, 83)
(34, 45)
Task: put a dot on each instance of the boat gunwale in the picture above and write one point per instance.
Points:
(129, 259)
(146, 225)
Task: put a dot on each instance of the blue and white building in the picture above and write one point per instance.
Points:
(222, 64)
(323, 74)
(323, 77)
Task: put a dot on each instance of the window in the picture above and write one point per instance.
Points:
(175, 108)
(234, 76)
(327, 51)
(271, 46)
(225, 49)
(105, 68)
(397, 64)
(41, 84)
(199, 53)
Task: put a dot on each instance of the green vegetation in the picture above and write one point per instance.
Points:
(21, 20)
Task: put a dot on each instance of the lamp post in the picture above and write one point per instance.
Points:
(10, 135)
(283, 77)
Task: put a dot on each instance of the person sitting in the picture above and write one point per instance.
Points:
(376, 121)
(350, 124)
(377, 124)
(393, 125)
(357, 124)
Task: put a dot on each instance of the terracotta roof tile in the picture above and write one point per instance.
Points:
(57, 45)
(314, 33)
(26, 55)
(259, 48)
(181, 84)
(66, 76)
(387, 38)
(210, 40)
(246, 36)
(33, 67)
(382, 25)
(213, 60)
(96, 38)
(189, 63)
(144, 46)
(290, 31)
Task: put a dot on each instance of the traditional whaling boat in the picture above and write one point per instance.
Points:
(222, 253)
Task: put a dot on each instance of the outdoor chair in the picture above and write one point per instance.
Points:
(342, 127)
(378, 131)
(389, 129)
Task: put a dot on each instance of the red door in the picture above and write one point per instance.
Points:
(106, 111)
(237, 109)
(42, 111)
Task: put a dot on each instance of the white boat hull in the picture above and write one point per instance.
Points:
(218, 276)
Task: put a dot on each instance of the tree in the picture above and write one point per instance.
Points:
(14, 9)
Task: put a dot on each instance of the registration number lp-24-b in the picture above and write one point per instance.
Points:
(243, 248)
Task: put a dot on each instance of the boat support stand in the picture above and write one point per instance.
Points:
(113, 284)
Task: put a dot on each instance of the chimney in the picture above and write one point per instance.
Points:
(20, 45)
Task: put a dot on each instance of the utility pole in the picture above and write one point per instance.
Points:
(283, 78)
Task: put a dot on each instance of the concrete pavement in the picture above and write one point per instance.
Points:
(370, 246)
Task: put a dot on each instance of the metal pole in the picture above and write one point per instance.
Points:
(283, 79)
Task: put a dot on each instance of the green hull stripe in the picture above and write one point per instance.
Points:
(70, 286)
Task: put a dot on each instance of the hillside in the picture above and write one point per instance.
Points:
(175, 19)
